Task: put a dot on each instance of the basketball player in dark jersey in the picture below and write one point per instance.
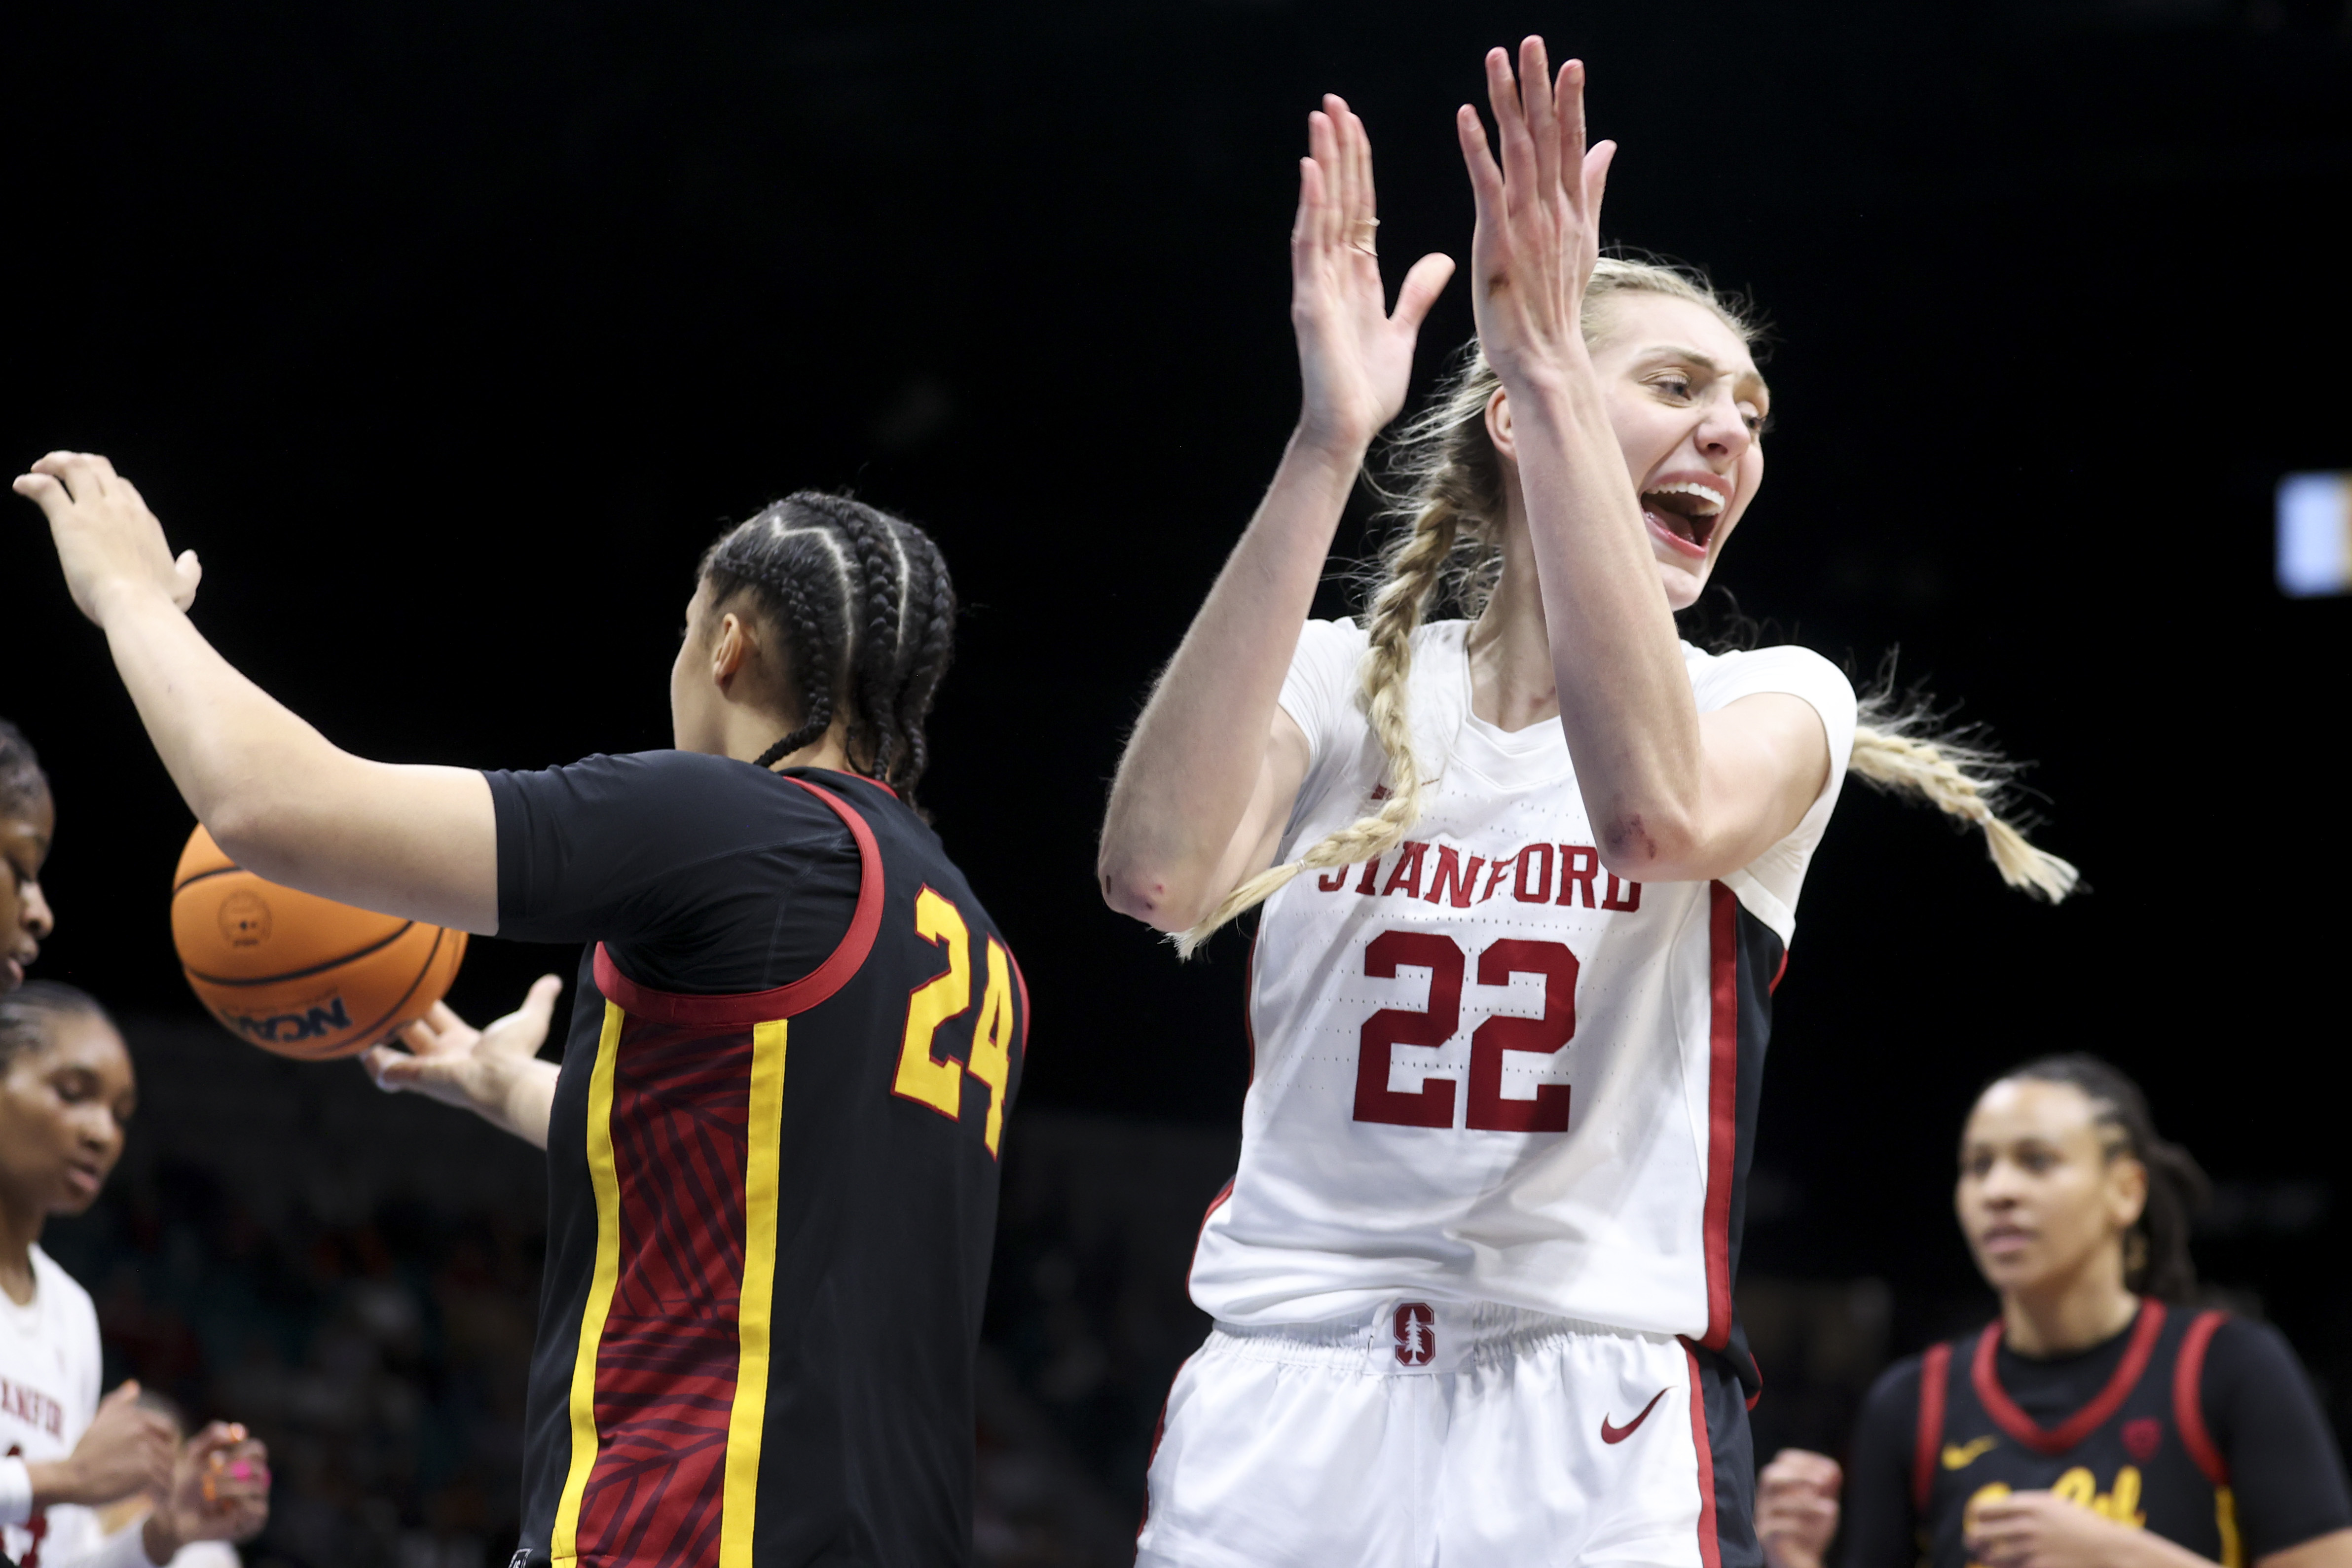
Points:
(2102, 1421)
(772, 1144)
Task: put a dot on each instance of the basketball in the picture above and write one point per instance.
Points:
(297, 973)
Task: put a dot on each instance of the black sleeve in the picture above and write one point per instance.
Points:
(712, 876)
(2283, 1467)
(1878, 1526)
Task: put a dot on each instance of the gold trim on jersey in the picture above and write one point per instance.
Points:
(563, 1542)
(763, 1181)
(2225, 1518)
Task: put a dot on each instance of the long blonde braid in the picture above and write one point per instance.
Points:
(1447, 491)
(1901, 746)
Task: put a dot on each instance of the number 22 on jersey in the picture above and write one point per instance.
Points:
(1431, 1024)
(924, 1075)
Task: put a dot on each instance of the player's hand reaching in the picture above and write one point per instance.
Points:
(494, 1070)
(1797, 1508)
(1538, 234)
(219, 1491)
(108, 541)
(1354, 357)
(126, 1448)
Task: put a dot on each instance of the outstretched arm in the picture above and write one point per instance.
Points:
(1671, 798)
(1209, 775)
(280, 798)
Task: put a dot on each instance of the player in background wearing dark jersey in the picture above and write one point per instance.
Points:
(772, 1144)
(2102, 1422)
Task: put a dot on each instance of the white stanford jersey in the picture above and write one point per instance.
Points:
(49, 1372)
(1487, 1069)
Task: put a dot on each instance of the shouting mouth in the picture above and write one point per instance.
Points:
(1683, 514)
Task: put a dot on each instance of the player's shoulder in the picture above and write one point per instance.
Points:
(1785, 659)
(1900, 1381)
(2250, 1351)
(732, 789)
(63, 1294)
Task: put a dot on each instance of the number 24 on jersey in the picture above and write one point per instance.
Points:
(925, 1076)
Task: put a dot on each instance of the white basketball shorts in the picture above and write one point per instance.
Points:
(1477, 1436)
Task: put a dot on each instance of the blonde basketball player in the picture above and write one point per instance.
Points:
(1533, 873)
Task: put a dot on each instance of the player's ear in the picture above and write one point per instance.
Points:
(1498, 425)
(2127, 1191)
(730, 649)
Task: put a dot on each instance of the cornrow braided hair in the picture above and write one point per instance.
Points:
(2156, 1260)
(866, 613)
(1444, 494)
(21, 779)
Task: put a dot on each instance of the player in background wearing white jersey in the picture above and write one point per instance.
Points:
(66, 1091)
(1472, 1282)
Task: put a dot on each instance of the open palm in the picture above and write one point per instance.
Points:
(1538, 234)
(1354, 357)
(450, 1061)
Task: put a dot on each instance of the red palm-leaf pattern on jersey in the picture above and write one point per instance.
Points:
(667, 1363)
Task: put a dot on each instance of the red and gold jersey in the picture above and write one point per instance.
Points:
(772, 1210)
(2139, 1451)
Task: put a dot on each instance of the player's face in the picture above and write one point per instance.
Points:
(63, 1104)
(695, 707)
(2044, 1196)
(25, 919)
(1688, 408)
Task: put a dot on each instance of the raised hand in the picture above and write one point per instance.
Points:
(1538, 234)
(1354, 357)
(107, 539)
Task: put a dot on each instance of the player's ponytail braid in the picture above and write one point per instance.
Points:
(1445, 490)
(1903, 745)
(866, 613)
(2156, 1260)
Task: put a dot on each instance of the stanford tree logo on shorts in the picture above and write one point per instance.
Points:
(1416, 1333)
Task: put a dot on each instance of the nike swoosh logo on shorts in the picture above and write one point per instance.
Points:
(1612, 1433)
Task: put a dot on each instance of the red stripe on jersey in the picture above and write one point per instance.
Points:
(1215, 1204)
(744, 1008)
(2058, 1440)
(1722, 1106)
(1783, 970)
(1021, 983)
(1159, 1430)
(1710, 1548)
(667, 1359)
(2188, 1399)
(1935, 1380)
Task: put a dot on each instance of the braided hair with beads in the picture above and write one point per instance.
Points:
(866, 612)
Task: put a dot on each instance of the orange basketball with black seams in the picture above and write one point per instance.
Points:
(297, 973)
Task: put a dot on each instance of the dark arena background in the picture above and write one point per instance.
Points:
(449, 335)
